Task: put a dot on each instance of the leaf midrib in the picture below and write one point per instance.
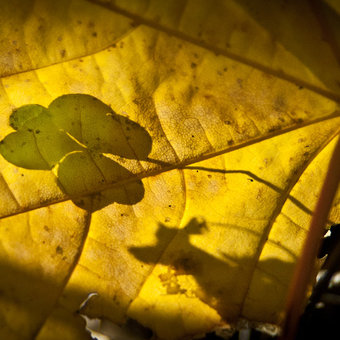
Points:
(238, 58)
(195, 41)
(187, 162)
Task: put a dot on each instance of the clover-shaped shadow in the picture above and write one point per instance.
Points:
(74, 137)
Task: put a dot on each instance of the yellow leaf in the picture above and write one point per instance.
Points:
(165, 155)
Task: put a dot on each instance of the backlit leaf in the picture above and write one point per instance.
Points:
(165, 155)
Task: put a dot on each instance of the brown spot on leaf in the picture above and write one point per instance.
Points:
(59, 250)
(186, 265)
(279, 103)
(274, 128)
(62, 53)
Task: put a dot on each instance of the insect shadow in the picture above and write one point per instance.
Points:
(223, 281)
(78, 138)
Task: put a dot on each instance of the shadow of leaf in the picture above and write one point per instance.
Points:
(32, 293)
(219, 278)
(74, 137)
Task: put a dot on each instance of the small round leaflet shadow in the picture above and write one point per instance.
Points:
(74, 137)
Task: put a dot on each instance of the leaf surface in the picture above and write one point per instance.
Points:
(170, 165)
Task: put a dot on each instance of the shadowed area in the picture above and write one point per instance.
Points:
(282, 19)
(74, 137)
(223, 281)
(29, 296)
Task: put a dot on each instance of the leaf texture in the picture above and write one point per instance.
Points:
(165, 155)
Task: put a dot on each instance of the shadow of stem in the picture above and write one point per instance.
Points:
(299, 204)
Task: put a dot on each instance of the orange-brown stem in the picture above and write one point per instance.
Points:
(304, 268)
